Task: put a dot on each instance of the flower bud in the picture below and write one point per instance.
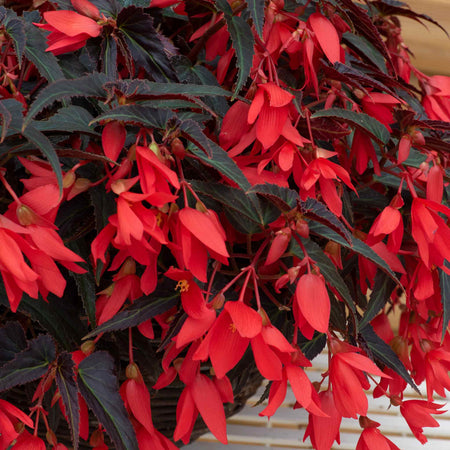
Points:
(177, 148)
(218, 301)
(265, 317)
(154, 147)
(25, 215)
(404, 146)
(302, 228)
(80, 185)
(88, 347)
(51, 438)
(96, 439)
(68, 179)
(417, 138)
(132, 372)
(365, 422)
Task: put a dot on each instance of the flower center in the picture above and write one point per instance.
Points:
(182, 285)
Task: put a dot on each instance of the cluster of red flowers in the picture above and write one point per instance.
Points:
(158, 212)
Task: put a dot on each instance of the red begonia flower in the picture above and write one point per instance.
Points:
(417, 414)
(371, 438)
(323, 431)
(348, 379)
(69, 30)
(313, 301)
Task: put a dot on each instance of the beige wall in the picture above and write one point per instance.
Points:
(431, 47)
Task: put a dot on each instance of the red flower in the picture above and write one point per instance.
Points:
(126, 286)
(430, 231)
(270, 111)
(325, 172)
(305, 395)
(9, 417)
(200, 315)
(195, 235)
(229, 337)
(113, 139)
(313, 301)
(363, 151)
(154, 173)
(200, 396)
(152, 441)
(27, 441)
(69, 30)
(436, 100)
(236, 327)
(136, 397)
(371, 437)
(323, 431)
(389, 222)
(418, 415)
(348, 379)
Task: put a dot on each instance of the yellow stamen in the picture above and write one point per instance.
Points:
(182, 286)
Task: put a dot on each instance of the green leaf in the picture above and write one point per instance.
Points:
(198, 74)
(256, 8)
(445, 297)
(12, 118)
(245, 211)
(354, 77)
(108, 56)
(70, 119)
(327, 269)
(415, 158)
(6, 119)
(384, 353)
(318, 212)
(104, 206)
(65, 380)
(283, 198)
(215, 156)
(141, 310)
(145, 88)
(139, 115)
(364, 47)
(363, 121)
(382, 289)
(45, 62)
(243, 42)
(109, 8)
(12, 341)
(141, 3)
(224, 6)
(30, 364)
(88, 86)
(41, 141)
(15, 27)
(144, 43)
(86, 289)
(99, 387)
(356, 246)
(59, 317)
(311, 348)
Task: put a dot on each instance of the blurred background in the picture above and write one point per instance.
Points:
(430, 46)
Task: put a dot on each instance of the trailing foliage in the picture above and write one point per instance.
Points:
(201, 194)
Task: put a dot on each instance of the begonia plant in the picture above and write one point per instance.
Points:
(201, 194)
